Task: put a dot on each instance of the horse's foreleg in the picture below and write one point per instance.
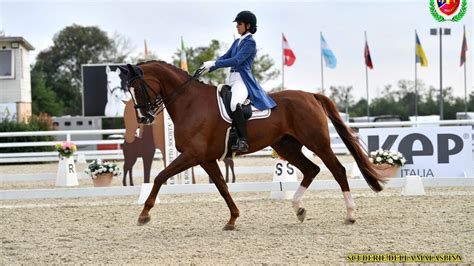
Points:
(181, 163)
(212, 169)
(290, 149)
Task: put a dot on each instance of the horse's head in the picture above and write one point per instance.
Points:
(145, 93)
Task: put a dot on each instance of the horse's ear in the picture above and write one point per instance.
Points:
(131, 69)
(107, 69)
(122, 69)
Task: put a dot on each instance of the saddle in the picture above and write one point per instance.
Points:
(224, 96)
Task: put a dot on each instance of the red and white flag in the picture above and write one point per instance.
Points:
(288, 53)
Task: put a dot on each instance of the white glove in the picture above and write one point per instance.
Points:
(208, 64)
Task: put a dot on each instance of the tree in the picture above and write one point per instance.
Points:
(196, 56)
(120, 49)
(401, 102)
(44, 98)
(61, 63)
(342, 96)
(262, 66)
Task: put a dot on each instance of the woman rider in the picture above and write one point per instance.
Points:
(240, 59)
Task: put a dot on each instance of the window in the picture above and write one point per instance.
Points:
(79, 123)
(6, 64)
(67, 123)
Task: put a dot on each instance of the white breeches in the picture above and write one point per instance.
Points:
(239, 90)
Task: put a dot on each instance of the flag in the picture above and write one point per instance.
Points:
(368, 59)
(146, 49)
(184, 61)
(463, 49)
(327, 54)
(420, 54)
(288, 53)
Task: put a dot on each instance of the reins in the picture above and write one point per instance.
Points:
(170, 99)
(160, 102)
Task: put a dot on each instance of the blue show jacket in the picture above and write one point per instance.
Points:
(240, 57)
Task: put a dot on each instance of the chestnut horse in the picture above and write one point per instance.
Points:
(300, 118)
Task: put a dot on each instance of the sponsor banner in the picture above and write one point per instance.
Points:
(104, 90)
(429, 151)
(8, 111)
(172, 153)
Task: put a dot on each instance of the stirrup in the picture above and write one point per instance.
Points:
(242, 146)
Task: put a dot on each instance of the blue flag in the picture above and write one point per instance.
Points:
(327, 53)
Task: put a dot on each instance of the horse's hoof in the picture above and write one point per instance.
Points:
(350, 220)
(229, 227)
(142, 220)
(301, 214)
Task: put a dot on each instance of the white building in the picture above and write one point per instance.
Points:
(15, 81)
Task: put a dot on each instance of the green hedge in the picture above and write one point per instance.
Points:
(36, 123)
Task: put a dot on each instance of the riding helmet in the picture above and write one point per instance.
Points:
(248, 18)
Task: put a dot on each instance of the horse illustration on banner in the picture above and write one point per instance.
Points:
(116, 96)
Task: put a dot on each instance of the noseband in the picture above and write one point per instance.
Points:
(153, 108)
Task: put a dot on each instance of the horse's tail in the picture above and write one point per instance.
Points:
(367, 169)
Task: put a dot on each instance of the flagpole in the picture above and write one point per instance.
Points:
(465, 84)
(367, 83)
(416, 85)
(322, 69)
(282, 62)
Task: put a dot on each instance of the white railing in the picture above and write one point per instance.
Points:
(23, 194)
(337, 144)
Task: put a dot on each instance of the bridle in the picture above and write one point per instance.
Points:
(153, 108)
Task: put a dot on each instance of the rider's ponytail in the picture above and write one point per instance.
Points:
(253, 29)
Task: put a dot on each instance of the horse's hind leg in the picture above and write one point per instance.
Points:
(212, 169)
(339, 172)
(290, 149)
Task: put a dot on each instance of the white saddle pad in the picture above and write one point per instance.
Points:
(256, 114)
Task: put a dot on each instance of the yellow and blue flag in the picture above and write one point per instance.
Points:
(420, 54)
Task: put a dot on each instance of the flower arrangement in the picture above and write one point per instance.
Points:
(98, 167)
(66, 149)
(387, 157)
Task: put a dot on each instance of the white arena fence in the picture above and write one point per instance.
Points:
(20, 157)
(211, 188)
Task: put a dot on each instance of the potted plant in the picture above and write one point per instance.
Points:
(102, 172)
(66, 175)
(387, 162)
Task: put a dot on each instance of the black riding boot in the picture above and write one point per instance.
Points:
(241, 126)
